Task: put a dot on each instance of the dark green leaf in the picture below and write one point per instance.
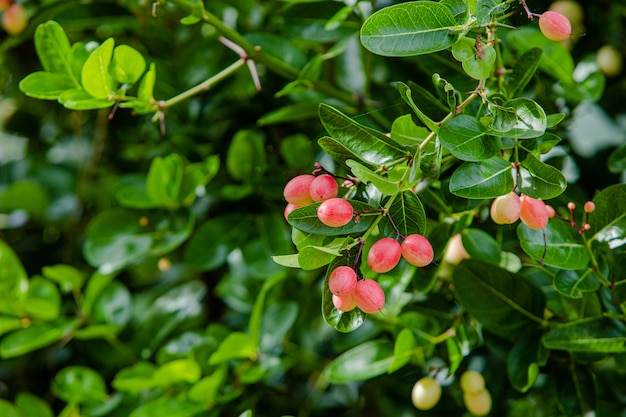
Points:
(488, 10)
(344, 322)
(305, 219)
(520, 118)
(574, 283)
(79, 384)
(561, 247)
(467, 140)
(407, 96)
(411, 28)
(608, 220)
(523, 71)
(114, 305)
(407, 212)
(617, 160)
(503, 302)
(480, 245)
(540, 180)
(292, 113)
(600, 336)
(485, 179)
(32, 338)
(246, 160)
(524, 360)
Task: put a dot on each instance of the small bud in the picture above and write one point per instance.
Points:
(551, 211)
(589, 207)
(571, 206)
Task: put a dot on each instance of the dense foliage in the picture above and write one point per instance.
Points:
(148, 266)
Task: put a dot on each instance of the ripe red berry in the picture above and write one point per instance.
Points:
(14, 19)
(335, 212)
(342, 281)
(417, 250)
(288, 209)
(384, 255)
(323, 187)
(369, 296)
(345, 303)
(296, 191)
(533, 212)
(555, 26)
(506, 208)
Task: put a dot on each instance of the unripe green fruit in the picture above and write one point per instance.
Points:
(426, 393)
(344, 303)
(455, 252)
(323, 187)
(417, 250)
(533, 213)
(555, 26)
(335, 212)
(478, 403)
(369, 296)
(384, 255)
(14, 19)
(609, 60)
(342, 281)
(472, 382)
(506, 208)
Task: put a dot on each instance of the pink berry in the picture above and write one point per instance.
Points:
(555, 26)
(384, 255)
(589, 207)
(296, 191)
(14, 19)
(323, 187)
(369, 296)
(345, 303)
(417, 250)
(335, 212)
(533, 213)
(455, 252)
(506, 208)
(342, 281)
(288, 209)
(551, 211)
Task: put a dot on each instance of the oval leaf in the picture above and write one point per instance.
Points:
(467, 140)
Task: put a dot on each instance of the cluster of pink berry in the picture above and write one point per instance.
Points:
(510, 207)
(306, 189)
(14, 18)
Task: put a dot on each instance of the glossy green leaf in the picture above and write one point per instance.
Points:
(206, 390)
(68, 277)
(53, 50)
(480, 245)
(464, 49)
(523, 71)
(337, 151)
(407, 95)
(490, 178)
(366, 175)
(574, 283)
(344, 322)
(30, 405)
(523, 362)
(481, 68)
(8, 324)
(114, 305)
(608, 220)
(370, 146)
(561, 248)
(81, 100)
(95, 76)
(540, 180)
(520, 118)
(237, 345)
(408, 214)
(32, 338)
(246, 159)
(167, 406)
(411, 28)
(127, 64)
(503, 302)
(446, 91)
(179, 370)
(488, 10)
(467, 140)
(313, 257)
(365, 361)
(403, 349)
(601, 336)
(305, 219)
(406, 132)
(13, 279)
(79, 384)
(45, 85)
(43, 300)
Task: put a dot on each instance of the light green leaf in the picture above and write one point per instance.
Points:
(179, 370)
(32, 338)
(68, 277)
(79, 384)
(237, 345)
(127, 65)
(95, 76)
(81, 100)
(412, 28)
(365, 361)
(366, 175)
(53, 50)
(45, 85)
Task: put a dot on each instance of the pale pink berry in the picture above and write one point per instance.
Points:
(369, 296)
(344, 303)
(555, 26)
(455, 251)
(296, 191)
(323, 187)
(533, 213)
(384, 255)
(342, 281)
(335, 212)
(14, 19)
(417, 250)
(506, 208)
(288, 209)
